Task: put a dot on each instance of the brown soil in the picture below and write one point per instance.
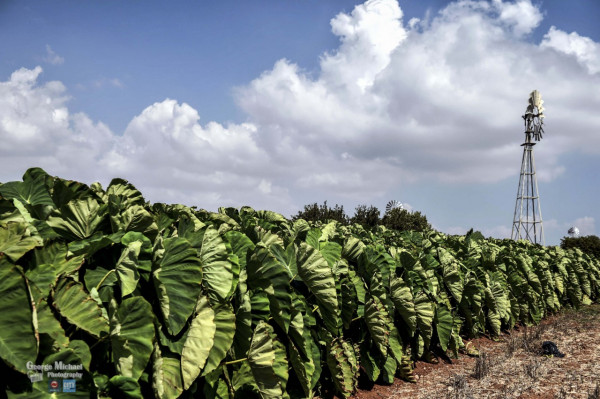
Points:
(513, 366)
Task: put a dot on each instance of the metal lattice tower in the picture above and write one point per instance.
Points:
(527, 220)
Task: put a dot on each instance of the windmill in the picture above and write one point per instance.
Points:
(393, 204)
(527, 220)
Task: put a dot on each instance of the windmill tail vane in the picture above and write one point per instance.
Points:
(527, 219)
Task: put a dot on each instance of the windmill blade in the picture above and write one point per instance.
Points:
(393, 204)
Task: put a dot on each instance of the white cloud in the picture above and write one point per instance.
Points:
(37, 128)
(53, 58)
(439, 101)
(435, 100)
(500, 231)
(585, 50)
(521, 16)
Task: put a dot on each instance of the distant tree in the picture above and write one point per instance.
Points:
(588, 244)
(322, 213)
(403, 220)
(367, 217)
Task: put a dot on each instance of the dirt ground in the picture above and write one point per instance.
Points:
(513, 366)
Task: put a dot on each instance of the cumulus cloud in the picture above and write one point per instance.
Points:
(584, 49)
(438, 99)
(53, 58)
(36, 127)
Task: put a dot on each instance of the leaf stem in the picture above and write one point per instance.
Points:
(100, 340)
(104, 278)
(235, 361)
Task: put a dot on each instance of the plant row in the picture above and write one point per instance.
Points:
(166, 301)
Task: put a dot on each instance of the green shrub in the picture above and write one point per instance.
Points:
(403, 220)
(588, 244)
(322, 213)
(367, 217)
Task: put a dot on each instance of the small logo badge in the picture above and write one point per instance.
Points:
(53, 386)
(35, 377)
(69, 386)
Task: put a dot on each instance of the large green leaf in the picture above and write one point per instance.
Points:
(218, 277)
(343, 365)
(177, 281)
(379, 323)
(225, 322)
(132, 334)
(15, 240)
(18, 344)
(78, 219)
(268, 362)
(318, 276)
(57, 255)
(199, 341)
(267, 272)
(167, 381)
(32, 192)
(424, 309)
(443, 324)
(403, 301)
(127, 268)
(124, 387)
(77, 306)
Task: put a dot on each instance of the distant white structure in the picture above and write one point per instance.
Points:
(393, 204)
(573, 232)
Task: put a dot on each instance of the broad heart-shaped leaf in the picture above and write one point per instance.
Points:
(318, 276)
(268, 362)
(78, 219)
(77, 306)
(379, 323)
(225, 322)
(343, 365)
(134, 218)
(89, 246)
(217, 271)
(131, 335)
(404, 303)
(266, 272)
(424, 310)
(127, 268)
(124, 387)
(215, 386)
(177, 281)
(32, 192)
(199, 341)
(56, 254)
(52, 335)
(15, 240)
(129, 195)
(443, 324)
(167, 381)
(240, 245)
(18, 344)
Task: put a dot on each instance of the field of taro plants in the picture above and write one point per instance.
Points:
(167, 301)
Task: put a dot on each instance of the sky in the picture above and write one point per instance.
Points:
(279, 104)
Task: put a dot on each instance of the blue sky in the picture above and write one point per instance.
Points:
(277, 104)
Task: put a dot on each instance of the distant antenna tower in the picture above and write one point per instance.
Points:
(573, 232)
(393, 204)
(527, 220)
